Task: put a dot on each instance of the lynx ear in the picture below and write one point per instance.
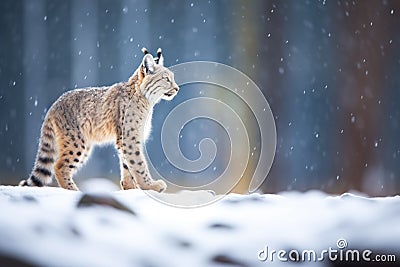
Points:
(144, 50)
(160, 58)
(148, 64)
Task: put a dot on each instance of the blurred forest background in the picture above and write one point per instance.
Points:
(329, 70)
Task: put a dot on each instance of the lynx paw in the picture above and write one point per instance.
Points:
(126, 186)
(159, 186)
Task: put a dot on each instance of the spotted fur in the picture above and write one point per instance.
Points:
(82, 118)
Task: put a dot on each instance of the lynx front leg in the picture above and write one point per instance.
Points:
(135, 117)
(137, 166)
(127, 180)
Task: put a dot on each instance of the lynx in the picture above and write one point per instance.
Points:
(85, 117)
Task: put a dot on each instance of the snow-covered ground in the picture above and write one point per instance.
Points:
(55, 227)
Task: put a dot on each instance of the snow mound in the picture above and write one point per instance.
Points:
(55, 227)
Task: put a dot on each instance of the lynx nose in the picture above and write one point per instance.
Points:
(175, 87)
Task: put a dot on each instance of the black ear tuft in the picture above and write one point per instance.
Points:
(148, 63)
(144, 50)
(160, 58)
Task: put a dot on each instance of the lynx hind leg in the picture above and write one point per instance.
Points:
(73, 153)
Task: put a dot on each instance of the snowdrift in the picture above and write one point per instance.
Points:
(55, 227)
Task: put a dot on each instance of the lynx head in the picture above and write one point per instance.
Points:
(157, 82)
